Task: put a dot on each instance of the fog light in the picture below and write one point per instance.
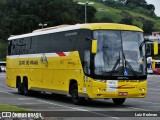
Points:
(141, 89)
(103, 90)
(99, 89)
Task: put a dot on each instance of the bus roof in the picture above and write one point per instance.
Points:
(91, 26)
(110, 26)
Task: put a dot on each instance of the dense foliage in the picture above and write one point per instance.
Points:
(129, 7)
(138, 6)
(23, 16)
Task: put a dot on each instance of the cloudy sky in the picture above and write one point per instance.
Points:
(156, 3)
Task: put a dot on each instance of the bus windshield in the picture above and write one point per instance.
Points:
(118, 53)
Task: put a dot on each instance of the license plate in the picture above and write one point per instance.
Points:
(123, 93)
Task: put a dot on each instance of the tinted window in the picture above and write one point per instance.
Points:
(56, 42)
(43, 44)
(33, 45)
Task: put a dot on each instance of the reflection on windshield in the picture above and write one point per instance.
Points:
(118, 53)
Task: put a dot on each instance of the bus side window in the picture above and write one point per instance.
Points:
(87, 61)
(9, 47)
(13, 47)
(33, 45)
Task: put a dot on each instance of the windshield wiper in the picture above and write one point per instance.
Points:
(114, 67)
(125, 61)
(128, 64)
(117, 62)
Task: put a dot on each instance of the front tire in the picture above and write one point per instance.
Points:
(74, 93)
(119, 101)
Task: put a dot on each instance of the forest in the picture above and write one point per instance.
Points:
(24, 16)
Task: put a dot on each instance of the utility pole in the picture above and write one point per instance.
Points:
(42, 25)
(86, 4)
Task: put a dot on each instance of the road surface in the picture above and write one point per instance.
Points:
(91, 110)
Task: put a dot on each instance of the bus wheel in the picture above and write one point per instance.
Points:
(119, 101)
(20, 88)
(74, 93)
(25, 88)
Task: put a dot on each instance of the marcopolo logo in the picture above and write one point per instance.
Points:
(71, 34)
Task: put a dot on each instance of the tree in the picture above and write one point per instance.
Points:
(148, 27)
(151, 7)
(127, 21)
(141, 3)
(24, 16)
(106, 19)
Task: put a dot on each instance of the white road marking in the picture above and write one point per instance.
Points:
(153, 89)
(153, 76)
(3, 76)
(153, 82)
(154, 92)
(25, 98)
(62, 105)
(153, 106)
(6, 92)
(146, 102)
(29, 103)
(78, 109)
(139, 108)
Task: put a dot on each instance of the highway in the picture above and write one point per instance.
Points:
(96, 109)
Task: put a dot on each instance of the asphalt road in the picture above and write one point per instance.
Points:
(96, 109)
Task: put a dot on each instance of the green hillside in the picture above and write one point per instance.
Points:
(107, 13)
(24, 16)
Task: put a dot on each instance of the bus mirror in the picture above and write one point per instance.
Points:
(94, 46)
(155, 48)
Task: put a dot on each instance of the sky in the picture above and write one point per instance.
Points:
(156, 3)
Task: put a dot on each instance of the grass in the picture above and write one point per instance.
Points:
(108, 12)
(138, 23)
(141, 15)
(113, 13)
(4, 107)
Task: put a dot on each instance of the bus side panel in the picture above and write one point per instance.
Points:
(47, 79)
(10, 78)
(64, 68)
(10, 73)
(34, 78)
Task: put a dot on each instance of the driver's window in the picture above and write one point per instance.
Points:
(87, 61)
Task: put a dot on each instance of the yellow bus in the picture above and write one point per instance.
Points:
(153, 60)
(98, 60)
